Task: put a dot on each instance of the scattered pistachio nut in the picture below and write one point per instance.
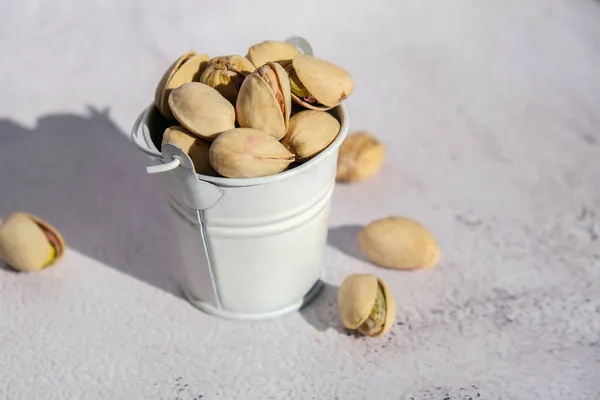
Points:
(271, 51)
(361, 156)
(201, 110)
(28, 243)
(226, 74)
(366, 305)
(310, 132)
(318, 84)
(399, 243)
(265, 101)
(248, 153)
(186, 68)
(193, 146)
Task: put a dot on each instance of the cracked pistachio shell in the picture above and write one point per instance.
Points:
(318, 84)
(226, 74)
(399, 243)
(28, 243)
(201, 110)
(357, 297)
(272, 51)
(248, 153)
(265, 101)
(310, 132)
(194, 147)
(186, 68)
(361, 156)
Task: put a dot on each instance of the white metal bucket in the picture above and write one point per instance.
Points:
(251, 248)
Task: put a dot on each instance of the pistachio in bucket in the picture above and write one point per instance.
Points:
(310, 133)
(265, 101)
(186, 68)
(272, 51)
(366, 305)
(248, 153)
(201, 110)
(226, 74)
(318, 84)
(195, 148)
(28, 243)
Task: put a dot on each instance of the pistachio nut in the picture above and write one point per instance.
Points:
(361, 156)
(318, 84)
(366, 305)
(271, 51)
(248, 153)
(186, 68)
(310, 132)
(194, 147)
(226, 74)
(400, 243)
(28, 243)
(201, 110)
(265, 101)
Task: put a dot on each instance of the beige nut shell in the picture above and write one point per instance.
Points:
(399, 243)
(248, 153)
(201, 110)
(356, 298)
(271, 51)
(186, 68)
(193, 146)
(226, 74)
(361, 156)
(25, 243)
(325, 81)
(310, 132)
(258, 106)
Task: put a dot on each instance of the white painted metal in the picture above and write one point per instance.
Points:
(251, 248)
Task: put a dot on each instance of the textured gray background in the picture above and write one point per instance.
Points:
(490, 113)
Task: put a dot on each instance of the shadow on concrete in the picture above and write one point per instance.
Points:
(82, 174)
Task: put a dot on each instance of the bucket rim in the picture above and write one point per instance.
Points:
(142, 123)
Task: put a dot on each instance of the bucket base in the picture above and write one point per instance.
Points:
(212, 310)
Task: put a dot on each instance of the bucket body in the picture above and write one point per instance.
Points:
(250, 248)
(265, 244)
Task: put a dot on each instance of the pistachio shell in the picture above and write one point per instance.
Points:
(201, 110)
(28, 243)
(196, 148)
(376, 318)
(248, 153)
(271, 51)
(324, 81)
(398, 242)
(265, 101)
(356, 298)
(310, 132)
(361, 156)
(226, 74)
(186, 68)
(390, 309)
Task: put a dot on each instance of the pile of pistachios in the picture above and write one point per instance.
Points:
(255, 115)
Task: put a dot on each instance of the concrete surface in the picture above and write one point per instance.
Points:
(490, 113)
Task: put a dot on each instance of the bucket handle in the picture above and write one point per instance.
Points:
(301, 44)
(197, 194)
